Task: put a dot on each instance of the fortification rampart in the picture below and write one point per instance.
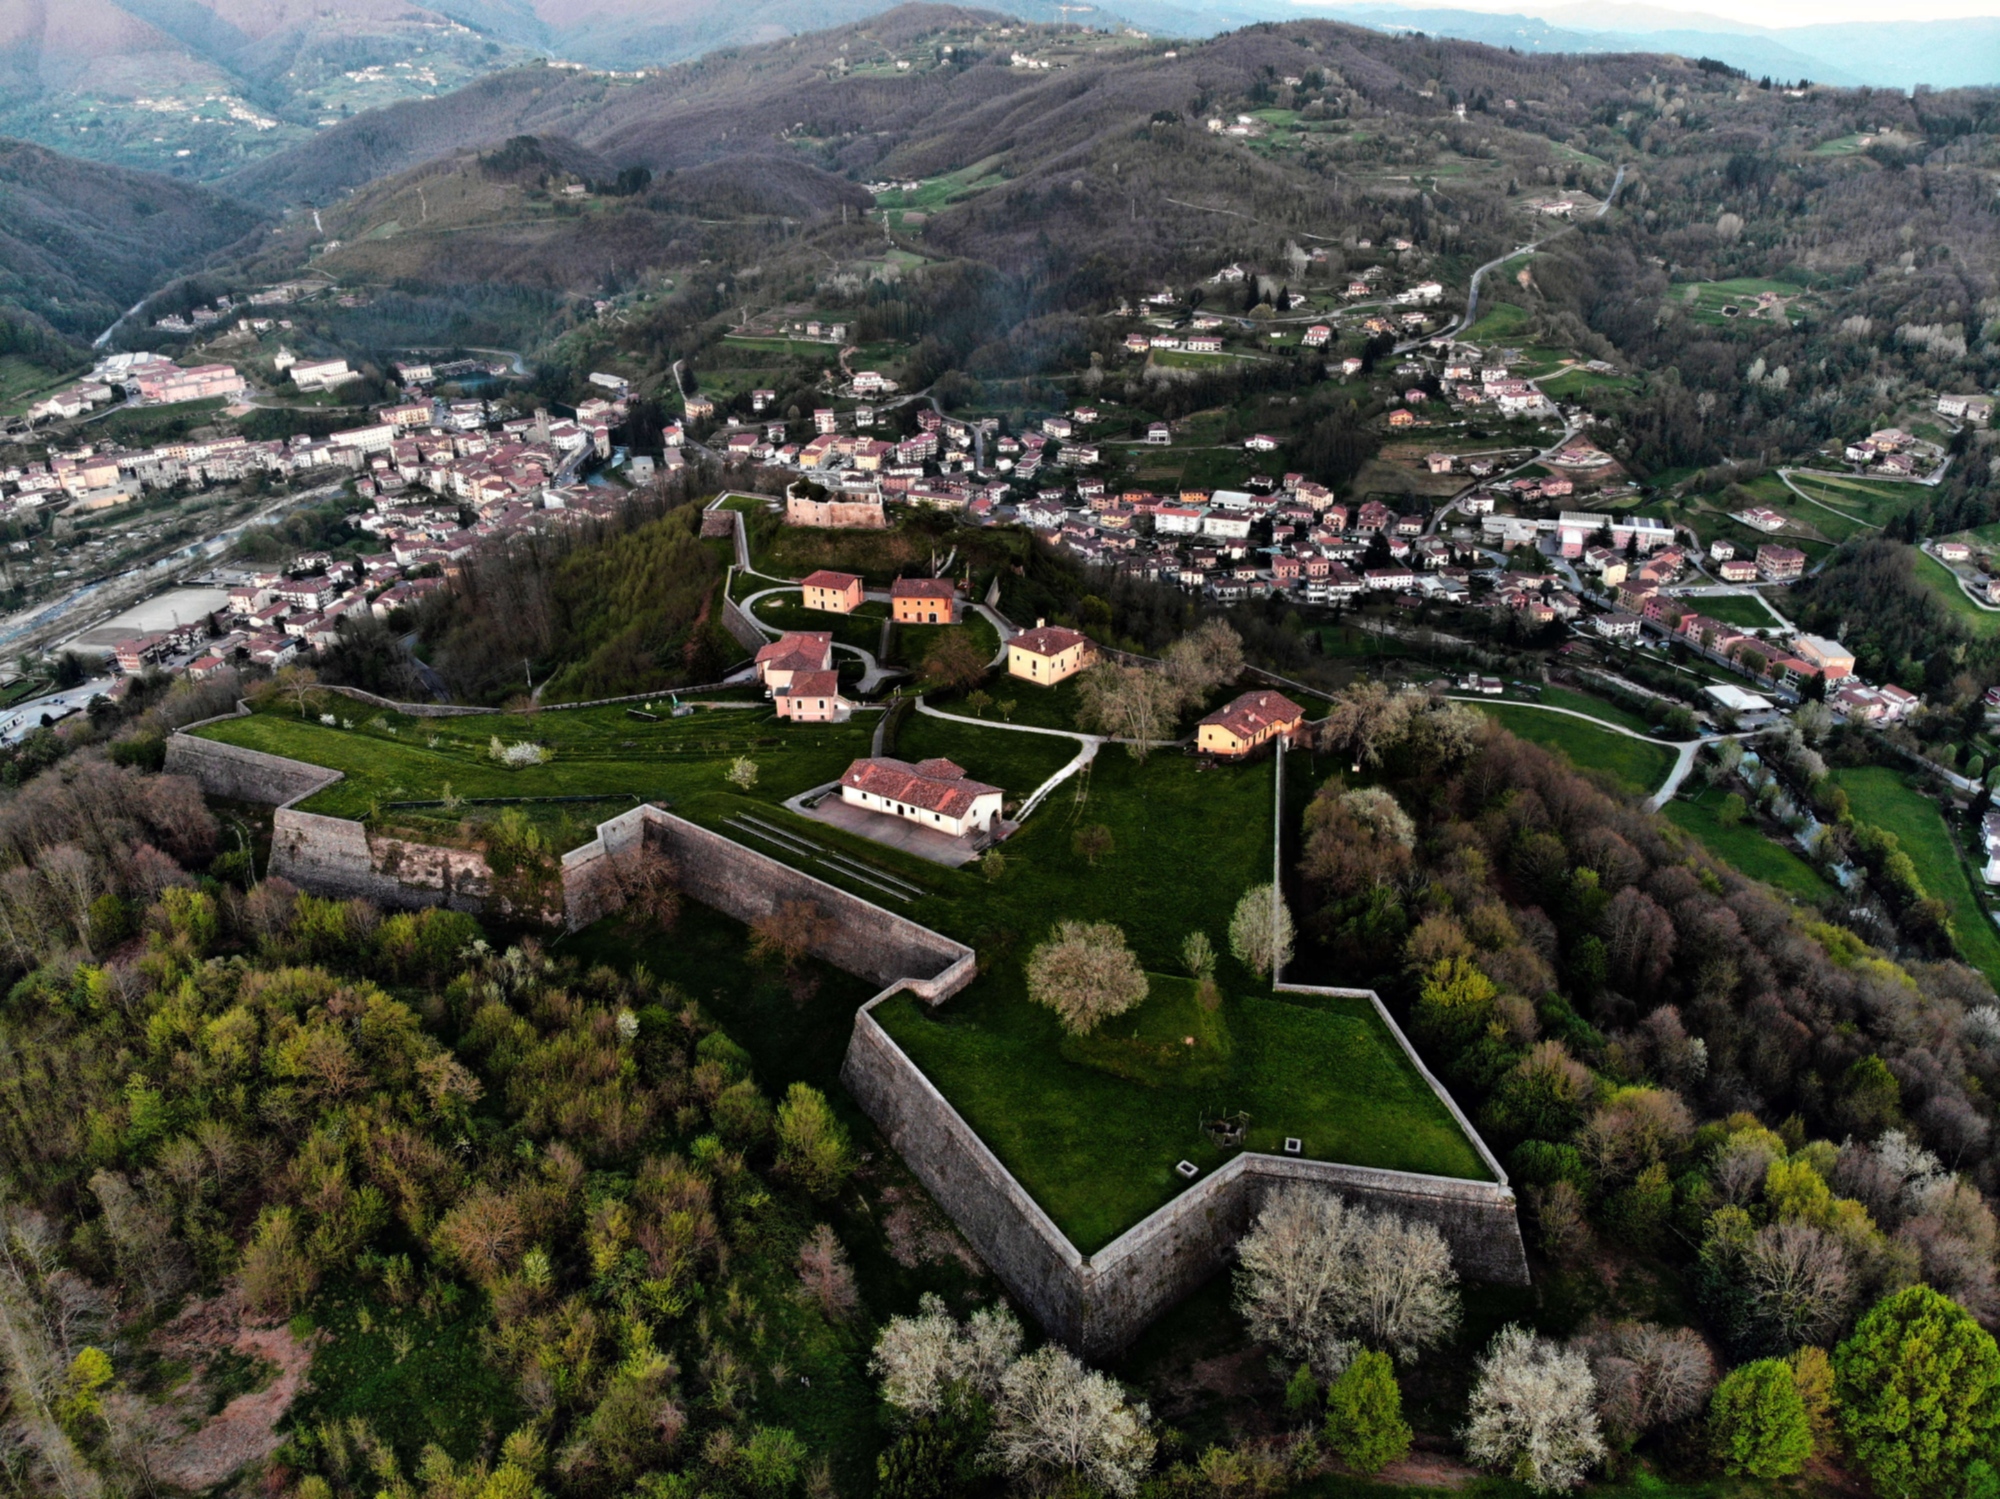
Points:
(861, 938)
(245, 775)
(1101, 1302)
(1096, 1303)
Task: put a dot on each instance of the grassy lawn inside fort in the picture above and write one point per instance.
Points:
(1094, 1127)
(597, 752)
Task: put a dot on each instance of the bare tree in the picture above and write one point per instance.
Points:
(1647, 1376)
(1132, 703)
(1056, 1420)
(1795, 1283)
(787, 934)
(1533, 1413)
(1210, 657)
(825, 1275)
(1086, 974)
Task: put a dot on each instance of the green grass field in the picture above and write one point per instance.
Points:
(1094, 1131)
(1742, 609)
(1640, 766)
(787, 612)
(1743, 847)
(1940, 580)
(1500, 322)
(1881, 796)
(597, 751)
(1597, 707)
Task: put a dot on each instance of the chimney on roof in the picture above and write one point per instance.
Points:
(1040, 624)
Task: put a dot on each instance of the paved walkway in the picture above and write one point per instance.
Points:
(1684, 749)
(874, 674)
(1088, 745)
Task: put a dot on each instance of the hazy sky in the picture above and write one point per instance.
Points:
(1734, 16)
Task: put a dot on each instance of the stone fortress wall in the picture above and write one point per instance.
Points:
(1098, 1303)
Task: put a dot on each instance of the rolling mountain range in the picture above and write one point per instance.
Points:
(202, 88)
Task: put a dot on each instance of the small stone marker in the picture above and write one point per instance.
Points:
(1292, 1145)
(1188, 1169)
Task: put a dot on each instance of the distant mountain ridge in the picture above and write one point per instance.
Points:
(80, 241)
(1891, 54)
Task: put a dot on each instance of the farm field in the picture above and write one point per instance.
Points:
(1642, 767)
(1093, 1128)
(1883, 797)
(1743, 847)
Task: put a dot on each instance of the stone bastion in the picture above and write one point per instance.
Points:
(1095, 1303)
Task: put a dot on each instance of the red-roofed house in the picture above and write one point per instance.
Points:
(1048, 654)
(923, 601)
(813, 697)
(791, 654)
(935, 794)
(832, 592)
(1253, 719)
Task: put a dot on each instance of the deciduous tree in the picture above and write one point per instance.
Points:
(1086, 974)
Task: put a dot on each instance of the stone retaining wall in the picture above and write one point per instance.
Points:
(337, 856)
(862, 938)
(245, 775)
(1098, 1304)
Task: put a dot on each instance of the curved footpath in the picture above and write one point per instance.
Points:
(1684, 749)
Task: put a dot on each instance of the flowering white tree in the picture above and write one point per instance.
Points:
(1260, 933)
(1319, 1275)
(1534, 1412)
(1054, 1419)
(923, 1361)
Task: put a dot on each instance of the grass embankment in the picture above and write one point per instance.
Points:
(1744, 847)
(786, 611)
(1093, 1129)
(1879, 795)
(595, 752)
(1640, 766)
(1941, 581)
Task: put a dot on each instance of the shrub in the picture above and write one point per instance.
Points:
(1364, 1415)
(1757, 1422)
(813, 1148)
(1918, 1392)
(1086, 974)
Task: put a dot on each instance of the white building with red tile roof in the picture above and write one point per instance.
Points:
(935, 794)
